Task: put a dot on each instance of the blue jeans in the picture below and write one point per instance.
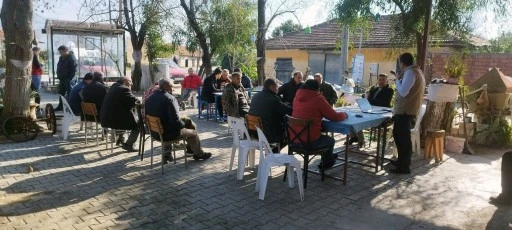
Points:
(36, 81)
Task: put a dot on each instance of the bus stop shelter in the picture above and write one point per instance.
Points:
(96, 47)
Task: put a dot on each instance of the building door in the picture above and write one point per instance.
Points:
(317, 63)
(332, 69)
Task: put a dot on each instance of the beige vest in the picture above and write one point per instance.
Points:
(410, 104)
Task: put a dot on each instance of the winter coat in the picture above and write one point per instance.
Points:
(95, 93)
(75, 100)
(233, 99)
(383, 98)
(311, 105)
(269, 107)
(66, 67)
(163, 105)
(209, 87)
(116, 110)
(287, 91)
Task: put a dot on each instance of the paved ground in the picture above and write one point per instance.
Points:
(83, 186)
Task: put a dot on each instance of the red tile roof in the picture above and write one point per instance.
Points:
(326, 35)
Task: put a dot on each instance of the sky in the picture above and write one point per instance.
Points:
(317, 12)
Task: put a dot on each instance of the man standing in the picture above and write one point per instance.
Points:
(287, 90)
(116, 112)
(66, 70)
(96, 91)
(163, 105)
(410, 87)
(310, 104)
(382, 94)
(234, 98)
(246, 81)
(190, 84)
(75, 100)
(272, 111)
(326, 89)
(37, 69)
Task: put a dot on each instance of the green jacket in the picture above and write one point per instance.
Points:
(233, 99)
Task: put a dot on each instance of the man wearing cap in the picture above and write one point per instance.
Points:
(75, 100)
(116, 112)
(66, 70)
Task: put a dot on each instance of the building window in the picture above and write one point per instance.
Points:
(186, 62)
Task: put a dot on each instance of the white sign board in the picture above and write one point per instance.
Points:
(374, 69)
(358, 69)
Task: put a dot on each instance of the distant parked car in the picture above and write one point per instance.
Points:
(175, 71)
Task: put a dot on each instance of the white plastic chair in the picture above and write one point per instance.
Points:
(68, 119)
(245, 145)
(415, 133)
(269, 160)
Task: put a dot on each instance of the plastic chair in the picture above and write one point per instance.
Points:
(88, 111)
(301, 147)
(415, 133)
(68, 119)
(243, 142)
(269, 160)
(155, 125)
(252, 122)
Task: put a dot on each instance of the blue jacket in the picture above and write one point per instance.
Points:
(75, 100)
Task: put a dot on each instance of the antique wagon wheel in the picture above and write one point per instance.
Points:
(20, 129)
(51, 120)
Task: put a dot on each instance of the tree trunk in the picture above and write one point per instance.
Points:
(16, 16)
(136, 75)
(438, 115)
(426, 29)
(260, 42)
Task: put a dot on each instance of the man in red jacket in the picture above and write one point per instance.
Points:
(310, 104)
(37, 69)
(190, 84)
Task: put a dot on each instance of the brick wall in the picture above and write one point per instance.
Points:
(478, 64)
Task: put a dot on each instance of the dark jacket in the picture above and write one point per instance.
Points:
(246, 82)
(75, 100)
(268, 106)
(327, 90)
(116, 110)
(66, 67)
(383, 98)
(209, 87)
(165, 106)
(287, 91)
(95, 93)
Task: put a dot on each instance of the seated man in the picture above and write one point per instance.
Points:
(75, 100)
(326, 89)
(234, 99)
(190, 84)
(246, 81)
(288, 90)
(165, 106)
(268, 106)
(96, 91)
(310, 104)
(382, 94)
(116, 112)
(505, 197)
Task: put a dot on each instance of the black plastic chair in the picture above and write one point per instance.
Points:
(297, 128)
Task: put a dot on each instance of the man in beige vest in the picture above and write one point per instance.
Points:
(410, 86)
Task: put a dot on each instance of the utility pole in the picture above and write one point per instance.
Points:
(344, 51)
(426, 29)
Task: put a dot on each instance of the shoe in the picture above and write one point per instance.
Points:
(167, 159)
(394, 163)
(203, 156)
(400, 170)
(500, 200)
(59, 108)
(128, 148)
(120, 141)
(329, 163)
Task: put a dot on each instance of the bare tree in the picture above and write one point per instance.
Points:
(272, 9)
(16, 16)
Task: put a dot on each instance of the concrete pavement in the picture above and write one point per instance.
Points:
(78, 186)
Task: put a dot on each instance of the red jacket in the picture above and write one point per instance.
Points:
(37, 67)
(191, 82)
(309, 104)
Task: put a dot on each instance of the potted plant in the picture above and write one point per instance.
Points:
(456, 68)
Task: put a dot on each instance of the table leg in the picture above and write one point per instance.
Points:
(346, 161)
(377, 159)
